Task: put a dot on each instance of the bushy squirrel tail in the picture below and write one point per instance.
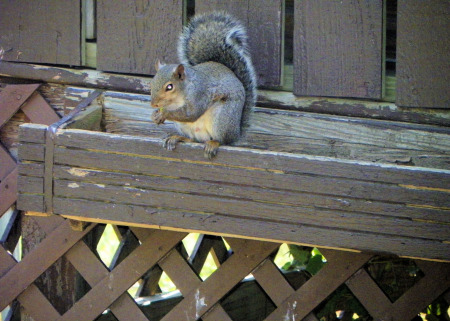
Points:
(221, 38)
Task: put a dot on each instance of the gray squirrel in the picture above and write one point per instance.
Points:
(211, 93)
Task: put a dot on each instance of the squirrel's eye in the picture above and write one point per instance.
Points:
(169, 87)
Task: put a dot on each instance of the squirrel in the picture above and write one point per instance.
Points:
(210, 95)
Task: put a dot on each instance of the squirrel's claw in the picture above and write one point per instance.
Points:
(211, 148)
(171, 142)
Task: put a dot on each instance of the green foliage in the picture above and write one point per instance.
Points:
(304, 259)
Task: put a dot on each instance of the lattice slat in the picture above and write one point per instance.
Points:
(247, 255)
(32, 299)
(340, 266)
(12, 97)
(37, 305)
(19, 277)
(271, 280)
(110, 288)
(369, 294)
(93, 271)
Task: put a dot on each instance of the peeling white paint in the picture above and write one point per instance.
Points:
(111, 281)
(73, 185)
(290, 314)
(199, 304)
(77, 172)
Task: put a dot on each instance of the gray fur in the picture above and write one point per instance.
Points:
(219, 37)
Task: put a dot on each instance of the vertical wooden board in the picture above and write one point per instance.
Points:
(423, 46)
(338, 48)
(264, 21)
(46, 31)
(132, 34)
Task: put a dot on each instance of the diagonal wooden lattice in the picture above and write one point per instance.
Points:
(36, 110)
(427, 289)
(201, 299)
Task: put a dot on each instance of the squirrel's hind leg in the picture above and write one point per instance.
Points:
(211, 148)
(171, 142)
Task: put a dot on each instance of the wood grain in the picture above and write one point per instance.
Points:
(338, 48)
(141, 32)
(44, 32)
(423, 44)
(270, 230)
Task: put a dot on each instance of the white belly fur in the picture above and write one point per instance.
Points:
(200, 130)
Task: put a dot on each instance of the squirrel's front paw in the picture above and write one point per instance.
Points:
(211, 148)
(171, 142)
(158, 117)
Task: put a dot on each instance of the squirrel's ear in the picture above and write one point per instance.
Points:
(179, 72)
(158, 65)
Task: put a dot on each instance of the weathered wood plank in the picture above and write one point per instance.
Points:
(351, 107)
(305, 133)
(265, 33)
(347, 62)
(45, 31)
(32, 133)
(278, 162)
(266, 98)
(140, 33)
(399, 192)
(31, 169)
(26, 202)
(30, 185)
(423, 44)
(33, 184)
(252, 210)
(209, 223)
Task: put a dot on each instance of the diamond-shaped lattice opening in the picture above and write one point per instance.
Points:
(247, 301)
(209, 267)
(11, 312)
(299, 263)
(157, 306)
(342, 305)
(206, 253)
(109, 244)
(107, 316)
(59, 282)
(394, 276)
(155, 293)
(438, 310)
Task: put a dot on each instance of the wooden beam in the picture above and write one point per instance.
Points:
(266, 98)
